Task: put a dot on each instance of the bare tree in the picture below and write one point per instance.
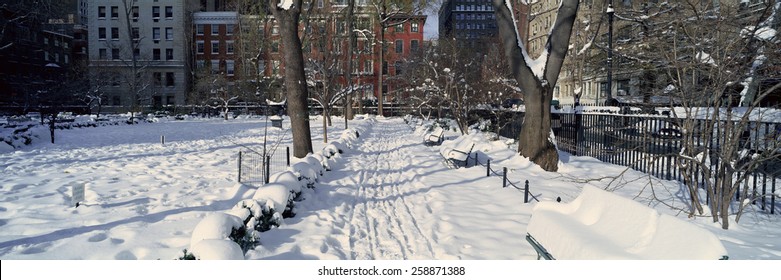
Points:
(537, 78)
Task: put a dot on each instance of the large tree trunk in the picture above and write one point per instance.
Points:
(348, 99)
(295, 79)
(535, 141)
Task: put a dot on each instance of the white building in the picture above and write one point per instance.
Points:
(150, 38)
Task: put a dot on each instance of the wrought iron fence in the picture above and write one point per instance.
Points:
(255, 166)
(654, 145)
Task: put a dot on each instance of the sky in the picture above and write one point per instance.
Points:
(387, 197)
(431, 28)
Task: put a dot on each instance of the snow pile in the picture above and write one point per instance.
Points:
(211, 238)
(599, 225)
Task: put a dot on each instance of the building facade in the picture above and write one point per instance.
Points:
(139, 55)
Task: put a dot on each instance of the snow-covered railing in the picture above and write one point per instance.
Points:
(599, 225)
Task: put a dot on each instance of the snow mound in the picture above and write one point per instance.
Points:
(599, 225)
(217, 249)
(277, 194)
(288, 179)
(216, 226)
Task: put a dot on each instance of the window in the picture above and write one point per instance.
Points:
(215, 29)
(397, 65)
(215, 47)
(66, 59)
(155, 54)
(156, 33)
(102, 12)
(46, 56)
(275, 30)
(157, 78)
(169, 79)
(199, 47)
(46, 40)
(56, 42)
(385, 68)
(56, 57)
(136, 53)
(156, 12)
(115, 54)
(399, 28)
(169, 54)
(320, 3)
(627, 3)
(135, 12)
(413, 45)
(199, 29)
(399, 46)
(114, 12)
(169, 33)
(115, 100)
(415, 27)
(101, 34)
(229, 67)
(229, 47)
(368, 66)
(200, 64)
(136, 33)
(170, 100)
(169, 12)
(115, 33)
(275, 47)
(214, 65)
(229, 29)
(102, 54)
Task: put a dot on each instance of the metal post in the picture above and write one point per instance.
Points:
(504, 178)
(162, 139)
(610, 12)
(526, 192)
(288, 155)
(488, 169)
(239, 163)
(268, 168)
(476, 160)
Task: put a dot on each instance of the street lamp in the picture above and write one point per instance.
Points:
(610, 11)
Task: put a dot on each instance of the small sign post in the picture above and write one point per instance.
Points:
(78, 195)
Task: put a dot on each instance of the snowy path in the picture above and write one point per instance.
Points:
(395, 199)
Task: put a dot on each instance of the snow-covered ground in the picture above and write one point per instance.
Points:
(388, 198)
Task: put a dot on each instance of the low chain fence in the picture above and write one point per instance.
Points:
(256, 166)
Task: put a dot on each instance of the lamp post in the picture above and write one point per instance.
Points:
(608, 94)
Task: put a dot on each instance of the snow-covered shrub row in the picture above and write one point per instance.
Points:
(17, 135)
(230, 234)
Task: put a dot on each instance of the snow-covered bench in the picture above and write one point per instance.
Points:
(458, 154)
(600, 225)
(435, 137)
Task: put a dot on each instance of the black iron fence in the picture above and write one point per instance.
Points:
(654, 145)
(255, 167)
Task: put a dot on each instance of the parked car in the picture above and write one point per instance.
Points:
(512, 103)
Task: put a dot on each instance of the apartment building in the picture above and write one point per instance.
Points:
(139, 52)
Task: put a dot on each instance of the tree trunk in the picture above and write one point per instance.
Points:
(295, 79)
(535, 140)
(348, 99)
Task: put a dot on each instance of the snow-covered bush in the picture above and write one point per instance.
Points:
(257, 215)
(290, 180)
(276, 196)
(231, 235)
(305, 173)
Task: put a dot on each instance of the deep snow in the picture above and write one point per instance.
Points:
(388, 198)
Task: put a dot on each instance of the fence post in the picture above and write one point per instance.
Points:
(239, 163)
(162, 139)
(288, 155)
(488, 168)
(476, 161)
(268, 168)
(504, 177)
(526, 192)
